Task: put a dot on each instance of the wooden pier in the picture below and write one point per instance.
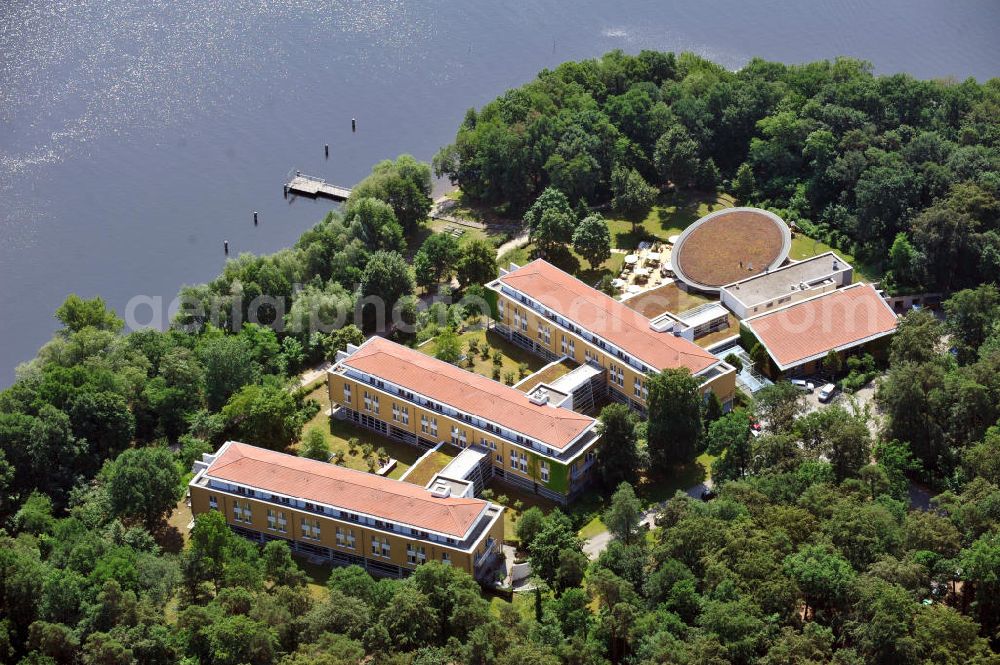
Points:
(307, 185)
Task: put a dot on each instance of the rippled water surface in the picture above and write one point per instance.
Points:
(136, 136)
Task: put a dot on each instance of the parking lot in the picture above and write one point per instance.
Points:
(855, 403)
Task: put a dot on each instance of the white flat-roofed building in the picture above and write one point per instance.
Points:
(790, 283)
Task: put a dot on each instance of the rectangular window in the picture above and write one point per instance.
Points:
(423, 424)
(271, 520)
(282, 522)
(637, 387)
(406, 415)
(395, 412)
(524, 463)
(368, 401)
(376, 548)
(376, 403)
(347, 392)
(513, 459)
(445, 558)
(545, 471)
(340, 537)
(411, 554)
(350, 539)
(213, 503)
(386, 548)
(434, 426)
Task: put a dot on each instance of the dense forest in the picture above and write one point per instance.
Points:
(902, 173)
(808, 553)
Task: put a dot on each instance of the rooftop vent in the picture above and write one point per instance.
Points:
(539, 397)
(441, 491)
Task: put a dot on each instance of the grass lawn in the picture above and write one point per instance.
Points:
(415, 239)
(523, 602)
(338, 432)
(513, 355)
(592, 528)
(670, 216)
(804, 247)
(567, 260)
(434, 462)
(469, 233)
(465, 209)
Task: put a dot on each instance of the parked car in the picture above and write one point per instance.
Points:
(826, 392)
(803, 385)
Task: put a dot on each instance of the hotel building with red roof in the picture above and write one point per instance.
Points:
(523, 438)
(345, 516)
(554, 315)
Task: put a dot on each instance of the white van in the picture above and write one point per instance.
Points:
(826, 392)
(803, 385)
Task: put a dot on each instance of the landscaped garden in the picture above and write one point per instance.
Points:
(515, 362)
(355, 446)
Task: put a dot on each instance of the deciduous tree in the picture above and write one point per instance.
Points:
(674, 418)
(592, 241)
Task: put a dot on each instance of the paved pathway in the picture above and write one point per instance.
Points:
(310, 376)
(518, 241)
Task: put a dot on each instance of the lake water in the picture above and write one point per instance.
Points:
(136, 137)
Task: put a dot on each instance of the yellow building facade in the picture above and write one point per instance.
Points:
(553, 460)
(381, 542)
(549, 323)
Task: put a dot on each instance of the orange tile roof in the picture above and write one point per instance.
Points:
(833, 321)
(350, 490)
(603, 315)
(469, 392)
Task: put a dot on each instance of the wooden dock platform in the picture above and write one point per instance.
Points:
(307, 185)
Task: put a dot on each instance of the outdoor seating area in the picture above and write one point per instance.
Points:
(648, 267)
